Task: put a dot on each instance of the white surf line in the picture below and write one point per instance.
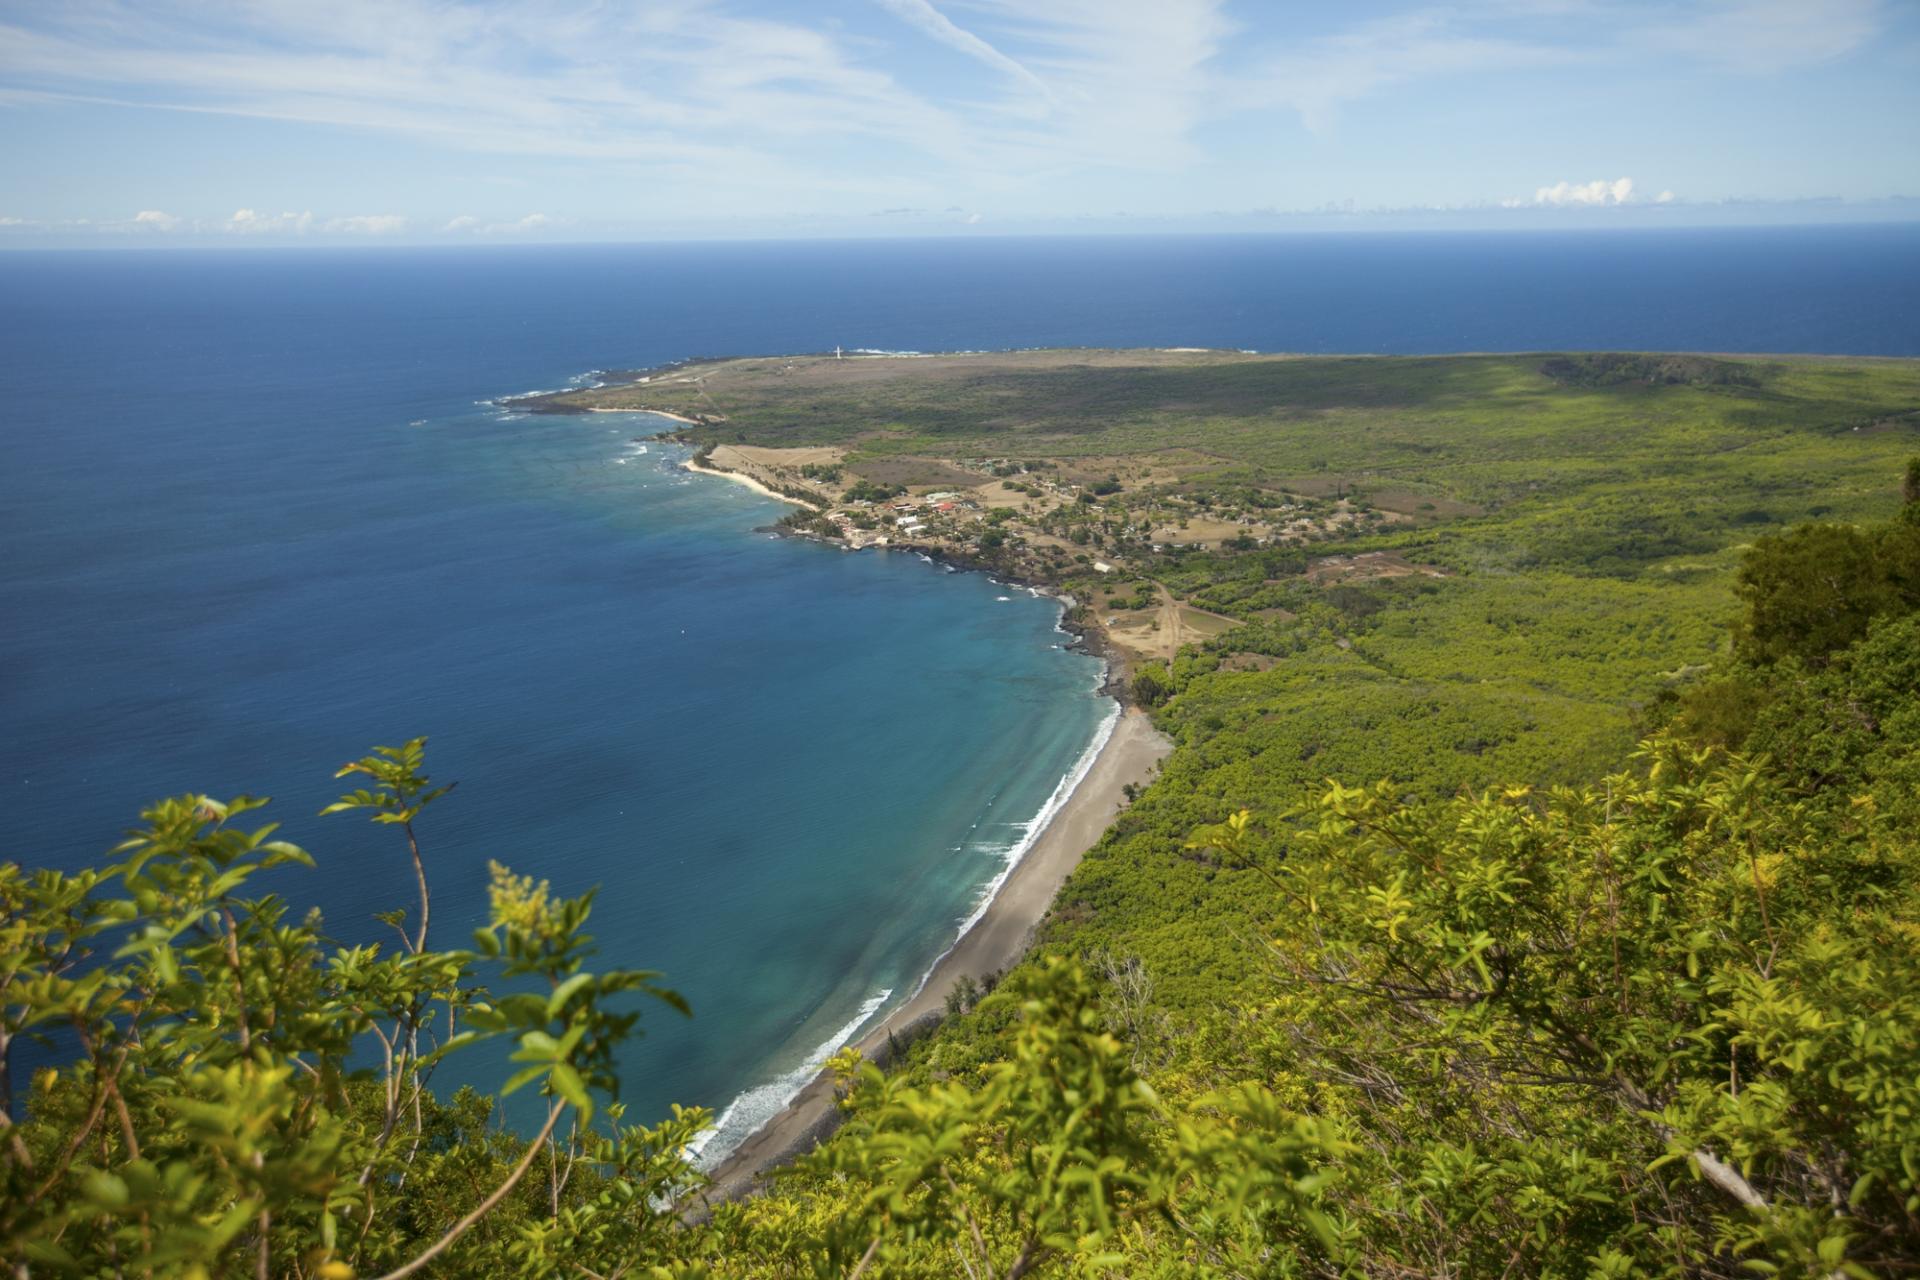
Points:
(753, 1108)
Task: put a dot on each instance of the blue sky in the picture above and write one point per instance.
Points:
(260, 121)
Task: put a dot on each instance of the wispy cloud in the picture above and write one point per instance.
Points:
(1766, 35)
(670, 85)
(1323, 75)
(1129, 80)
(681, 87)
(937, 25)
(1319, 76)
(722, 108)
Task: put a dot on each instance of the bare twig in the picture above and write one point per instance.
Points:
(485, 1207)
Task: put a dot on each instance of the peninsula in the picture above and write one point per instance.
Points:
(1444, 571)
(1531, 886)
(1175, 495)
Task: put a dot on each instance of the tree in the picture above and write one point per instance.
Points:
(1151, 684)
(1639, 1025)
(1063, 1153)
(1812, 590)
(211, 1109)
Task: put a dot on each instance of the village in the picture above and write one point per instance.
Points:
(1101, 531)
(1096, 514)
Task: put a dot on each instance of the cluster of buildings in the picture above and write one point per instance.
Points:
(906, 517)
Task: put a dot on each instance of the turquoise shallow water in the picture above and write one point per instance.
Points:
(254, 521)
(245, 557)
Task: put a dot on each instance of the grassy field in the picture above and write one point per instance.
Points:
(1509, 555)
(1408, 962)
(1461, 433)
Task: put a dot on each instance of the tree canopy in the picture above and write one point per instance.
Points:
(1657, 1017)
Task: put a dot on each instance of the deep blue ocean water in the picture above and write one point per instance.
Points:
(258, 516)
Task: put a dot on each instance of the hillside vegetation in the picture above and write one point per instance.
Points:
(1533, 889)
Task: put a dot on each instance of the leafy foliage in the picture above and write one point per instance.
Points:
(1679, 982)
(1600, 369)
(1511, 1009)
(1813, 590)
(232, 1092)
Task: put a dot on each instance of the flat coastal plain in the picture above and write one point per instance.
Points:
(1130, 757)
(1447, 571)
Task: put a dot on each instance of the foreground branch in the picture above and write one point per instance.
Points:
(485, 1207)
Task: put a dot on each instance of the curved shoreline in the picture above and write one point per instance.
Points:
(994, 937)
(741, 478)
(996, 940)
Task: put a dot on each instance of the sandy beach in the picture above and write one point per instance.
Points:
(742, 478)
(658, 413)
(996, 942)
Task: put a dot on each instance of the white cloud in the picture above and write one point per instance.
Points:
(936, 24)
(156, 220)
(368, 224)
(720, 108)
(1597, 192)
(248, 222)
(467, 224)
(1665, 197)
(17, 222)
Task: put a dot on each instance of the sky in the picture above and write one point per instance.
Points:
(325, 121)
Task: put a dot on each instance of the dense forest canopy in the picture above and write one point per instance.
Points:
(1411, 963)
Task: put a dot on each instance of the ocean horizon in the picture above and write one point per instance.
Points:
(264, 510)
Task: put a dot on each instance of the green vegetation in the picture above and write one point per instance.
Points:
(1512, 996)
(1601, 369)
(240, 1095)
(867, 491)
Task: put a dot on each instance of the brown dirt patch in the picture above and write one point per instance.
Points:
(1368, 565)
(915, 473)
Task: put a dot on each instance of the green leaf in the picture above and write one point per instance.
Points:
(105, 1189)
(564, 992)
(537, 1044)
(568, 1084)
(519, 1078)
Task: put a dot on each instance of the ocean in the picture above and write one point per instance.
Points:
(261, 510)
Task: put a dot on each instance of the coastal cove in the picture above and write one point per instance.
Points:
(791, 771)
(1129, 755)
(919, 641)
(776, 1121)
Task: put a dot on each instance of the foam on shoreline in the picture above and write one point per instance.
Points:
(741, 478)
(755, 1107)
(1031, 831)
(752, 1108)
